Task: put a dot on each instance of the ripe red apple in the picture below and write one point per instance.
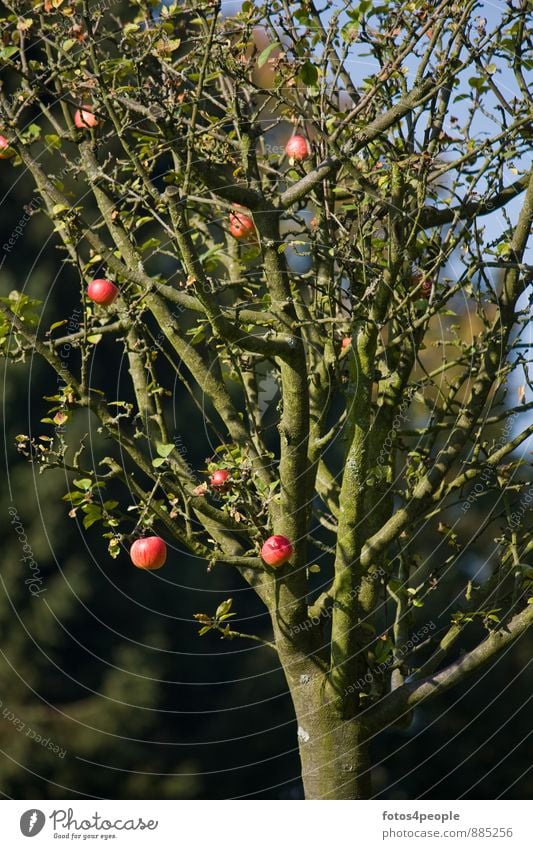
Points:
(219, 477)
(102, 292)
(297, 148)
(241, 225)
(346, 342)
(85, 118)
(5, 150)
(148, 553)
(422, 285)
(276, 550)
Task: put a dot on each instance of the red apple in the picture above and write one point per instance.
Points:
(346, 342)
(219, 477)
(241, 225)
(102, 292)
(5, 150)
(297, 148)
(422, 286)
(276, 550)
(85, 118)
(148, 553)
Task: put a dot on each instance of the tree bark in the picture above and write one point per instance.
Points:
(334, 755)
(334, 751)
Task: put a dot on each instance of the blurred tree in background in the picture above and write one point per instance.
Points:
(105, 688)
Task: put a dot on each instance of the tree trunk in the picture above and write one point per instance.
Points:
(334, 754)
(333, 750)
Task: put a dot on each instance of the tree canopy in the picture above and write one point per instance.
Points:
(349, 317)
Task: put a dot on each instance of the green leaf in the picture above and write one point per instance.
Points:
(224, 608)
(164, 449)
(114, 548)
(150, 244)
(172, 44)
(22, 306)
(198, 335)
(382, 650)
(159, 461)
(53, 141)
(33, 132)
(83, 483)
(74, 496)
(144, 220)
(204, 630)
(503, 249)
(57, 324)
(93, 516)
(8, 52)
(309, 74)
(265, 54)
(478, 83)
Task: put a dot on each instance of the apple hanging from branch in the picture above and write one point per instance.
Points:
(219, 478)
(148, 553)
(102, 292)
(85, 119)
(276, 550)
(6, 151)
(241, 226)
(297, 148)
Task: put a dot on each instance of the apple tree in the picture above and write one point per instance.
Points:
(313, 219)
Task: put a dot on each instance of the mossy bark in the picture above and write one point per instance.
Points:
(334, 755)
(332, 740)
(334, 751)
